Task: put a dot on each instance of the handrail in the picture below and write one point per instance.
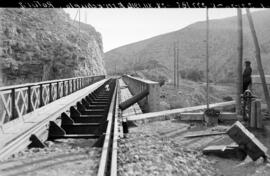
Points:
(18, 100)
(3, 88)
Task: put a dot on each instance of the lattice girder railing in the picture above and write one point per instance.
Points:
(60, 90)
(18, 100)
(21, 101)
(6, 107)
(54, 92)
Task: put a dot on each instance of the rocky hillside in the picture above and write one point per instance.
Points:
(222, 43)
(44, 44)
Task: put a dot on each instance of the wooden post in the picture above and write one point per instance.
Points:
(258, 114)
(258, 58)
(207, 58)
(239, 81)
(252, 120)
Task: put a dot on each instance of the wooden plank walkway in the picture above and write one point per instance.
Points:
(125, 94)
(51, 110)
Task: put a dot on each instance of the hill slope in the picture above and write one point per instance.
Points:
(222, 49)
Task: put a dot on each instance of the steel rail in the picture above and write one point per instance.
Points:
(113, 169)
(107, 163)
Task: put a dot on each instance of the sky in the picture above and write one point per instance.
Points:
(121, 26)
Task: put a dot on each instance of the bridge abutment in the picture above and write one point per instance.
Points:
(151, 103)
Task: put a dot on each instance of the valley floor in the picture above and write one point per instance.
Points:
(194, 93)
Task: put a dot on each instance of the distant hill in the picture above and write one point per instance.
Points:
(222, 49)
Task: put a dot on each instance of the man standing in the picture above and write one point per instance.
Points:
(247, 76)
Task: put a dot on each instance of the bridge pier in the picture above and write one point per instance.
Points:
(151, 103)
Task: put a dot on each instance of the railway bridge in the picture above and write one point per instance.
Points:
(81, 107)
(91, 107)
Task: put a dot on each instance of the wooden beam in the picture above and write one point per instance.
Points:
(198, 116)
(254, 148)
(129, 102)
(258, 58)
(176, 112)
(205, 135)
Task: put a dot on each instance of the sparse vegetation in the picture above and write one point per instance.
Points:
(192, 74)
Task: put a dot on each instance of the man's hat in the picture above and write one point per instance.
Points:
(247, 62)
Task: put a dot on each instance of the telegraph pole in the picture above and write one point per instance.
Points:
(174, 65)
(177, 65)
(79, 26)
(207, 59)
(258, 58)
(239, 81)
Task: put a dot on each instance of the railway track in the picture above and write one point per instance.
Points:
(92, 118)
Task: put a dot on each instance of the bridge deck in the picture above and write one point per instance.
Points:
(125, 94)
(52, 110)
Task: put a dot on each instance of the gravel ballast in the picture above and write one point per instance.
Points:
(145, 152)
(67, 157)
(160, 148)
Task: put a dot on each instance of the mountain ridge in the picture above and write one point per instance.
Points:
(222, 48)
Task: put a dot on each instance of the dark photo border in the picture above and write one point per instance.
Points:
(134, 4)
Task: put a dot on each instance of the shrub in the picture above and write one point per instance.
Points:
(212, 112)
(227, 98)
(192, 74)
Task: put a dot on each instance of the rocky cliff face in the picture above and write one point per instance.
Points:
(46, 44)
